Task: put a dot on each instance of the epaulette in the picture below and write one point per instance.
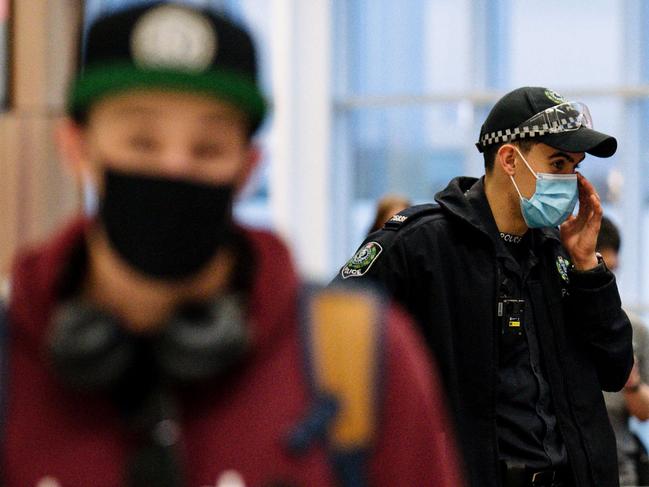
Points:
(409, 215)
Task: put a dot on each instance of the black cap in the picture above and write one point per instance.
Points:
(170, 46)
(518, 106)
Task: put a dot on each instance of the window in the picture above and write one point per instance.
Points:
(404, 93)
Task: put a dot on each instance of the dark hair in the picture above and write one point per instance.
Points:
(525, 145)
(609, 236)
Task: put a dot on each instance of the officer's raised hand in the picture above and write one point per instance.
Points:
(579, 233)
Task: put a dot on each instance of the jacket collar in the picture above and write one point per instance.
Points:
(465, 198)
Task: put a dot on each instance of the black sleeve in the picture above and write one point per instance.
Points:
(594, 307)
(380, 260)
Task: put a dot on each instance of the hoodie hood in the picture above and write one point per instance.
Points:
(39, 277)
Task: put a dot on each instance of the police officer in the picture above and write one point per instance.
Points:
(521, 313)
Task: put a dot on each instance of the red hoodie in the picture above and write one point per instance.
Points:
(238, 423)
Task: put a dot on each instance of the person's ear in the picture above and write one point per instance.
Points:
(250, 163)
(72, 147)
(506, 159)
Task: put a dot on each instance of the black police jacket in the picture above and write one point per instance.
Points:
(441, 263)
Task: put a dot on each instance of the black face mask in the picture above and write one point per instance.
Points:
(165, 228)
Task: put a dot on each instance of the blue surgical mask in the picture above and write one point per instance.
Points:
(553, 200)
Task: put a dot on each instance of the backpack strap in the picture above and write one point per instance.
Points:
(342, 335)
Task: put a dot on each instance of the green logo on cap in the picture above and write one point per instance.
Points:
(555, 97)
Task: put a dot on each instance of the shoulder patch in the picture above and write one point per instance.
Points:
(410, 214)
(398, 218)
(563, 265)
(362, 260)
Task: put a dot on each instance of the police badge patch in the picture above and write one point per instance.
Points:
(563, 265)
(358, 265)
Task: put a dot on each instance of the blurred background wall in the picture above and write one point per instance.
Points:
(369, 97)
(37, 55)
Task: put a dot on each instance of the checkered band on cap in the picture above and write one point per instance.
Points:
(526, 131)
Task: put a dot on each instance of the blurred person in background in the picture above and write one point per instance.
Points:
(388, 206)
(157, 343)
(522, 315)
(633, 400)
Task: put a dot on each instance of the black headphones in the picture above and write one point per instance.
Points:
(91, 350)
